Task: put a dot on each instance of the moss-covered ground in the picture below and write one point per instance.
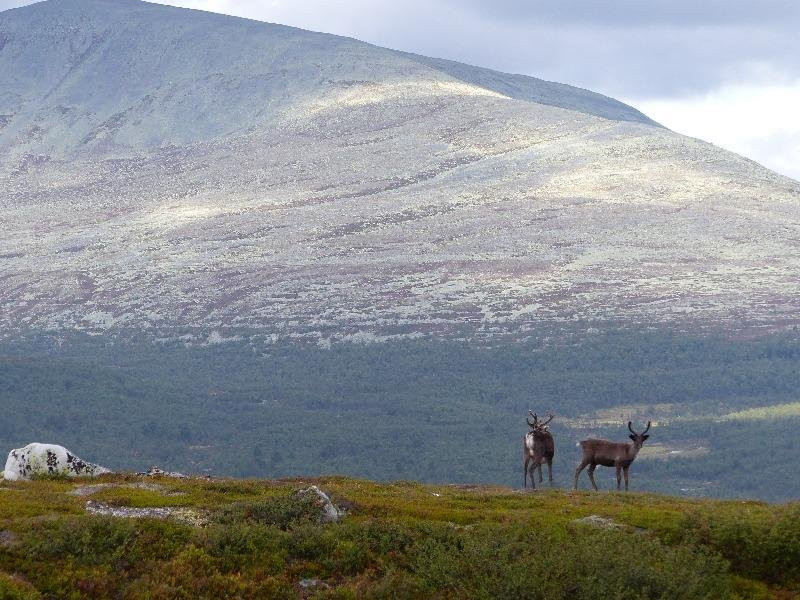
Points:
(257, 539)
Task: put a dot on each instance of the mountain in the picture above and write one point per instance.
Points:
(186, 173)
(123, 76)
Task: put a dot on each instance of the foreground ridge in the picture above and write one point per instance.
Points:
(264, 538)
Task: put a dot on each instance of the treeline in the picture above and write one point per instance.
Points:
(430, 410)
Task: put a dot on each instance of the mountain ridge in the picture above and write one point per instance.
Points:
(252, 49)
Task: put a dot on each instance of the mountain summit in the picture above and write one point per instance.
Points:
(164, 169)
(117, 75)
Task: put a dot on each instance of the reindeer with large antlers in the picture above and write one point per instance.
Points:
(538, 447)
(611, 454)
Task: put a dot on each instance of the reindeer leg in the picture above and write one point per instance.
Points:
(533, 476)
(619, 476)
(580, 468)
(625, 471)
(592, 467)
(540, 472)
(525, 473)
(550, 470)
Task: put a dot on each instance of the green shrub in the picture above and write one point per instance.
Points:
(88, 540)
(96, 540)
(762, 545)
(13, 588)
(281, 511)
(241, 545)
(513, 562)
(193, 575)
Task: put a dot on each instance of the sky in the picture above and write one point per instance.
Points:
(726, 71)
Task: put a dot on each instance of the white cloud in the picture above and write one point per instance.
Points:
(757, 121)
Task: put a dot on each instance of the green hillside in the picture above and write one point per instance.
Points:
(726, 411)
(232, 538)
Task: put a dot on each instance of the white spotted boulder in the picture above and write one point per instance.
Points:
(47, 459)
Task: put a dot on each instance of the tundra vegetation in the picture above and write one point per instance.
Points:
(259, 539)
(725, 410)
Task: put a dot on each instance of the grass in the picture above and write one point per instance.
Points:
(257, 539)
(776, 411)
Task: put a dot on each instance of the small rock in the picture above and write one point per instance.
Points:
(154, 471)
(329, 513)
(128, 512)
(88, 490)
(8, 539)
(313, 583)
(598, 521)
(98, 508)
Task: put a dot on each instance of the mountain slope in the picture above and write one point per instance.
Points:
(530, 89)
(123, 74)
(170, 170)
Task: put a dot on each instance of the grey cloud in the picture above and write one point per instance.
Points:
(620, 60)
(638, 13)
(624, 48)
(6, 4)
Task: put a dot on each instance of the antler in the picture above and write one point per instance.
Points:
(533, 425)
(646, 429)
(549, 418)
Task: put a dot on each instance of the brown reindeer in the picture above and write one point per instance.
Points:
(550, 445)
(538, 447)
(611, 454)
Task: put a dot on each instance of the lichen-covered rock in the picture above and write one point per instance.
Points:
(598, 521)
(186, 515)
(47, 459)
(329, 513)
(155, 471)
(311, 583)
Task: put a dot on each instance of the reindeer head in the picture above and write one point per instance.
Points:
(538, 426)
(638, 438)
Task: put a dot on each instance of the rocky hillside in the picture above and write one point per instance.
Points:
(156, 537)
(175, 171)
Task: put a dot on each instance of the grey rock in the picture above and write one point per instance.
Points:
(329, 513)
(155, 471)
(599, 522)
(313, 583)
(8, 539)
(88, 490)
(127, 512)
